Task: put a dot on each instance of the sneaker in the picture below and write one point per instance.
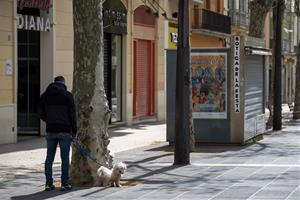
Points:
(66, 187)
(49, 187)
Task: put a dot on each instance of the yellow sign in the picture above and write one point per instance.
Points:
(172, 35)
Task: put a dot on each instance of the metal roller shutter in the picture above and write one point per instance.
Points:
(254, 86)
(143, 79)
(254, 95)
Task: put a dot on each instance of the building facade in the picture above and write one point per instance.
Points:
(229, 74)
(289, 47)
(209, 24)
(36, 44)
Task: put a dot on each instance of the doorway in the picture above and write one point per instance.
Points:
(143, 91)
(28, 79)
(113, 74)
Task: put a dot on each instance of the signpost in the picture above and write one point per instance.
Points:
(236, 75)
(277, 122)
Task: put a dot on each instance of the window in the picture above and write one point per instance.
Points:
(219, 6)
(207, 4)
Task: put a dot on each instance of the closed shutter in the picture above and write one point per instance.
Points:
(254, 86)
(254, 95)
(143, 79)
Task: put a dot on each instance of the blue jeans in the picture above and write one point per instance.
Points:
(64, 141)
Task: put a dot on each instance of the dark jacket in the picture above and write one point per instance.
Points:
(57, 109)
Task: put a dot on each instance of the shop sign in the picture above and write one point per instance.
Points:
(174, 38)
(114, 17)
(172, 35)
(209, 85)
(40, 4)
(236, 75)
(35, 23)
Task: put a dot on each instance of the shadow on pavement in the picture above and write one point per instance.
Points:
(205, 148)
(41, 195)
(25, 143)
(125, 130)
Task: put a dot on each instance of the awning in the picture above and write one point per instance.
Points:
(257, 51)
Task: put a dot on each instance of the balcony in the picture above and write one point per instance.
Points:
(209, 20)
(239, 18)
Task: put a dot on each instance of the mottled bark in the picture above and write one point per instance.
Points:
(192, 130)
(258, 12)
(296, 113)
(271, 88)
(88, 87)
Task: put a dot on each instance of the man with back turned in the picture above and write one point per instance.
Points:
(57, 109)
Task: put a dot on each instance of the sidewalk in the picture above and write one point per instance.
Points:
(31, 151)
(268, 169)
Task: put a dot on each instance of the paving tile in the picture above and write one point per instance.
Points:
(238, 192)
(207, 177)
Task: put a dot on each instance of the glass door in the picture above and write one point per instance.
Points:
(116, 77)
(113, 74)
(28, 82)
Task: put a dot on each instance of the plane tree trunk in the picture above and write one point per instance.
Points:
(258, 12)
(88, 87)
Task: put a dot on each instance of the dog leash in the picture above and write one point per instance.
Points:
(84, 152)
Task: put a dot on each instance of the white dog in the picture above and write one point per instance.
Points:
(111, 177)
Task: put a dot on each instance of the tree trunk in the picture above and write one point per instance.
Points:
(296, 113)
(277, 101)
(258, 12)
(88, 87)
(192, 130)
(271, 77)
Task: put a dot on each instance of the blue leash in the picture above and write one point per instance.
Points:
(84, 152)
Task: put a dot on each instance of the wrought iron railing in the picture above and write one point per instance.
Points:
(207, 19)
(239, 18)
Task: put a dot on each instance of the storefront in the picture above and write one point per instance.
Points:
(144, 63)
(115, 27)
(36, 44)
(29, 25)
(229, 92)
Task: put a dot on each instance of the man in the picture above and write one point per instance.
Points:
(57, 109)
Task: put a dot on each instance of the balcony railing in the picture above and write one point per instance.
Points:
(239, 18)
(206, 19)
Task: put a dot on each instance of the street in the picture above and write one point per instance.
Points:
(268, 169)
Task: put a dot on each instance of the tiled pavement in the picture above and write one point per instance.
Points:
(268, 169)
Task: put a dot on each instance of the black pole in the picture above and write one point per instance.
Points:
(182, 132)
(277, 121)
